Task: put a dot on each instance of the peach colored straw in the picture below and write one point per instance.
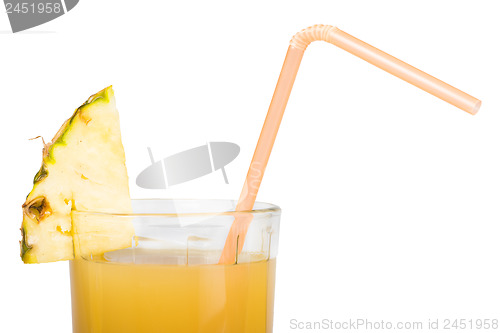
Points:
(298, 44)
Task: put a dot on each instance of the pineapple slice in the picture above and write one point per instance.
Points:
(83, 169)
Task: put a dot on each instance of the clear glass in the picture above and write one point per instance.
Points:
(157, 270)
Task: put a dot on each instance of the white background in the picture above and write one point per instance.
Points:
(390, 196)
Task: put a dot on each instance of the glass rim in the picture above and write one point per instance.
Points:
(268, 208)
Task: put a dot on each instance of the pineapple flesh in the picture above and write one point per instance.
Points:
(83, 169)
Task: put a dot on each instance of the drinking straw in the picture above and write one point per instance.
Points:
(298, 44)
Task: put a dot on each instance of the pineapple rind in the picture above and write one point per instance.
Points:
(101, 97)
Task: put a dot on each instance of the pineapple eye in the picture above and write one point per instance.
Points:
(25, 247)
(37, 209)
(41, 174)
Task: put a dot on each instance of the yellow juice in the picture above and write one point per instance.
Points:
(110, 296)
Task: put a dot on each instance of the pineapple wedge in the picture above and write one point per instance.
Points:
(83, 169)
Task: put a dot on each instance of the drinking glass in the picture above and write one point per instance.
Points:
(156, 270)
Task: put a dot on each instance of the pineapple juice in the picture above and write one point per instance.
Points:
(160, 295)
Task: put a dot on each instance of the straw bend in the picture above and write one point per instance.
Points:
(302, 39)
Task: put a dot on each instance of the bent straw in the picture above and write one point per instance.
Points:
(298, 44)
